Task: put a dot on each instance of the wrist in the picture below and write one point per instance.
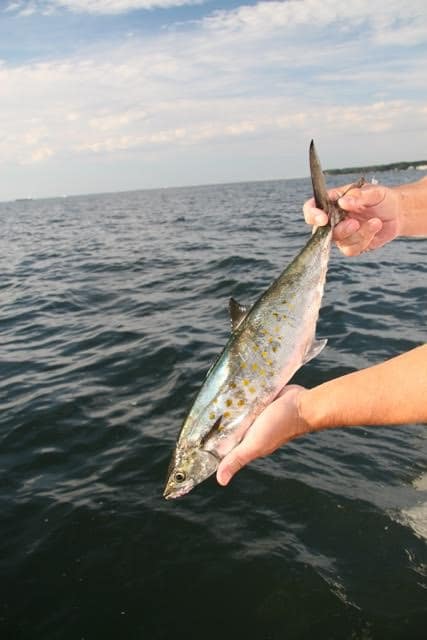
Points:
(401, 209)
(411, 208)
(315, 409)
(306, 409)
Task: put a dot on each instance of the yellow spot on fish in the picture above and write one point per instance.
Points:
(212, 416)
(256, 347)
(270, 340)
(240, 402)
(254, 366)
(229, 402)
(232, 385)
(262, 372)
(244, 365)
(252, 390)
(264, 354)
(274, 349)
(245, 382)
(275, 314)
(227, 414)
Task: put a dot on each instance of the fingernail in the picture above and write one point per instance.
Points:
(319, 219)
(223, 477)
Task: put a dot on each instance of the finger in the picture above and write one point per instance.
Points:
(313, 215)
(345, 229)
(231, 464)
(338, 192)
(358, 242)
(363, 198)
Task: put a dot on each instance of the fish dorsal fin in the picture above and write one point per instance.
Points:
(238, 313)
(315, 348)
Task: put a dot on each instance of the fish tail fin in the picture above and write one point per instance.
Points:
(320, 192)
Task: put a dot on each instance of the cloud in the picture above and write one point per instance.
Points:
(139, 100)
(374, 118)
(267, 16)
(13, 6)
(105, 7)
(40, 154)
(106, 121)
(262, 74)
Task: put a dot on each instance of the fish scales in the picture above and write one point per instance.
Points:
(268, 344)
(264, 353)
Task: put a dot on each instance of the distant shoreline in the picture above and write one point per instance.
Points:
(419, 164)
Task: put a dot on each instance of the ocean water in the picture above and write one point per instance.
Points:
(112, 309)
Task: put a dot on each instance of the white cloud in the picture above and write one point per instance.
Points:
(13, 6)
(263, 74)
(66, 107)
(109, 121)
(411, 35)
(266, 16)
(106, 7)
(40, 154)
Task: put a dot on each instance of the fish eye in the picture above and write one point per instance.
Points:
(179, 476)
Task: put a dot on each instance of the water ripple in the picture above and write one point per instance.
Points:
(112, 309)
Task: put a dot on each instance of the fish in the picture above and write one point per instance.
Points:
(269, 342)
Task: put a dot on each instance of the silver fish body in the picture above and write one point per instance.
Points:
(268, 344)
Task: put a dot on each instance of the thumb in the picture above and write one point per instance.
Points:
(361, 199)
(231, 464)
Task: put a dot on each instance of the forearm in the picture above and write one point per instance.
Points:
(393, 392)
(413, 208)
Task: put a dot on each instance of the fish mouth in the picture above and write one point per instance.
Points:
(172, 492)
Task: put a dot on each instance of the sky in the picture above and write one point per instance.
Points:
(114, 95)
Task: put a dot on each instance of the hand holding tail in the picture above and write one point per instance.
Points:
(373, 217)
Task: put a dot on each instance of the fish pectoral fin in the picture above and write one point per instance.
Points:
(315, 348)
(212, 431)
(238, 313)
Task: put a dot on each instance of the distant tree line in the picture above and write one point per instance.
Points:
(378, 167)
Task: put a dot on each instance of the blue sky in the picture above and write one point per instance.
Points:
(109, 95)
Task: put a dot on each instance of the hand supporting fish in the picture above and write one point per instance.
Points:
(268, 344)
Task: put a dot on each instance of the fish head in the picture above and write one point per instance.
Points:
(189, 466)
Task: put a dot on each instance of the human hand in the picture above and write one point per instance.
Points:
(373, 217)
(277, 424)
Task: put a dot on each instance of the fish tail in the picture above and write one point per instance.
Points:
(320, 192)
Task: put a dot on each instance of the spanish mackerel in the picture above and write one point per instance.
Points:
(268, 344)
